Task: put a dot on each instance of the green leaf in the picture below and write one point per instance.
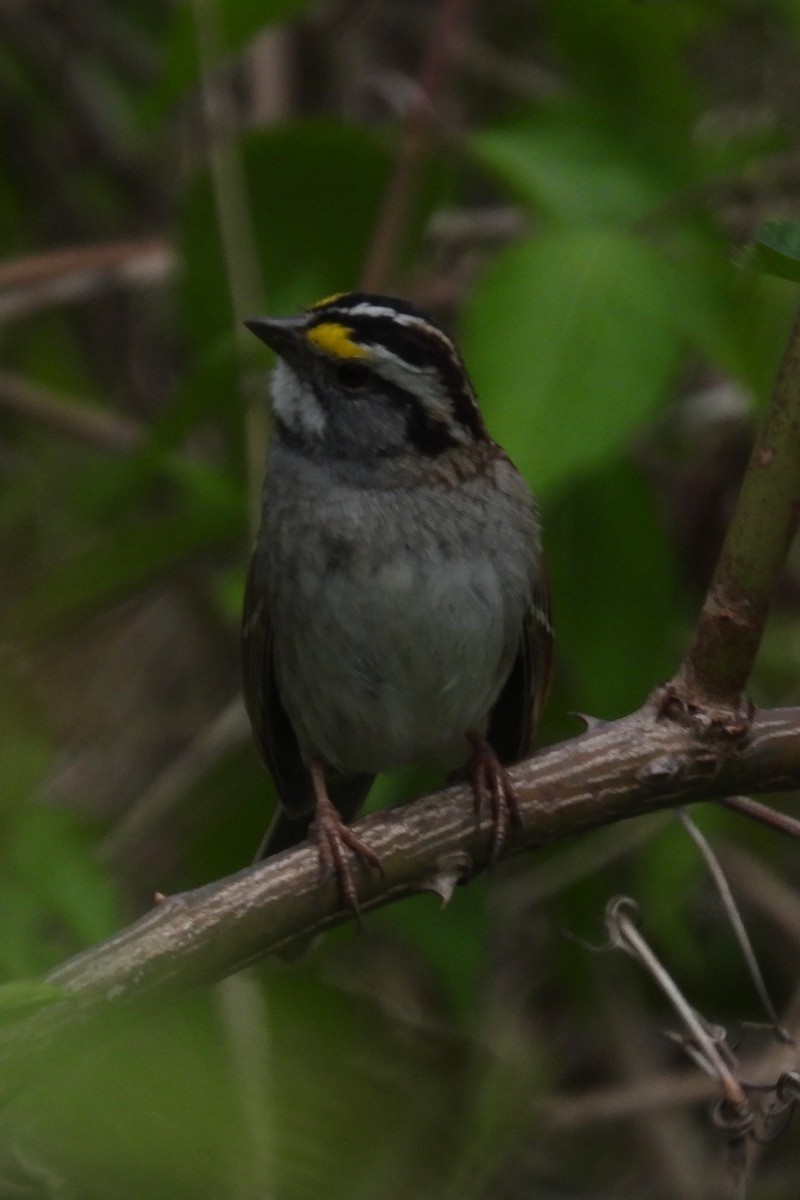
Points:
(54, 860)
(55, 897)
(629, 60)
(211, 373)
(776, 250)
(571, 341)
(574, 168)
(613, 575)
(736, 320)
(330, 1095)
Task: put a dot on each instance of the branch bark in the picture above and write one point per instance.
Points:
(623, 769)
(729, 631)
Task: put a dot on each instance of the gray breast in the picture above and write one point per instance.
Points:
(396, 614)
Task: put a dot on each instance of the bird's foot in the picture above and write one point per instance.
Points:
(333, 838)
(492, 787)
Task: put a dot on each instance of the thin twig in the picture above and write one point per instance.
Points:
(733, 1114)
(388, 237)
(624, 934)
(163, 797)
(734, 916)
(37, 281)
(92, 426)
(670, 1138)
(570, 1112)
(756, 811)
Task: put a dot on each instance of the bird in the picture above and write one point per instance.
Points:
(397, 607)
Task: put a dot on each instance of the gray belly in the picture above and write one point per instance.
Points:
(387, 664)
(396, 611)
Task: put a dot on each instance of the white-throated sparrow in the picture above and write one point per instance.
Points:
(396, 607)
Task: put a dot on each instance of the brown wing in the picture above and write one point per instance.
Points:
(272, 729)
(274, 736)
(515, 715)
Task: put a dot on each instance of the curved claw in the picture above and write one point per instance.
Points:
(333, 838)
(492, 787)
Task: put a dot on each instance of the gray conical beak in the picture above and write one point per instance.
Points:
(281, 334)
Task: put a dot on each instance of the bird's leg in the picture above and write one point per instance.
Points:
(492, 786)
(333, 837)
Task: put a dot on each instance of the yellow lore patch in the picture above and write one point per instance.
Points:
(336, 340)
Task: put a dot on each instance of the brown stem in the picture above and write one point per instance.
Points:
(726, 640)
(54, 277)
(755, 811)
(93, 426)
(393, 217)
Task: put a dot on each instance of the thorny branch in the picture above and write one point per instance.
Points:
(622, 769)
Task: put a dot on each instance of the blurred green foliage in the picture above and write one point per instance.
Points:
(619, 354)
(776, 250)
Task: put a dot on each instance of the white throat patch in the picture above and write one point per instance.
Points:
(294, 402)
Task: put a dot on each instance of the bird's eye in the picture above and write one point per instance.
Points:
(352, 376)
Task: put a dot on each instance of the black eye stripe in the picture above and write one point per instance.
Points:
(427, 434)
(353, 376)
(412, 342)
(421, 346)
